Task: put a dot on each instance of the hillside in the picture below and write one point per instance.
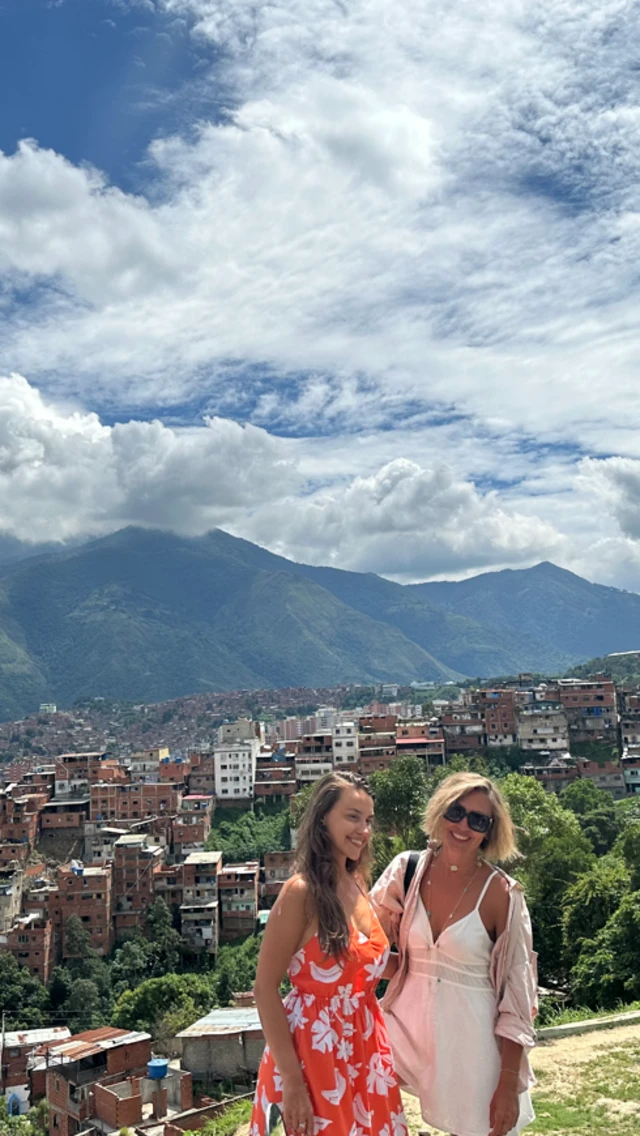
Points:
(146, 615)
(149, 616)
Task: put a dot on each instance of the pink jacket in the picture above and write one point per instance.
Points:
(513, 962)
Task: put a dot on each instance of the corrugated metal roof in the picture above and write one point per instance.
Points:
(217, 1023)
(15, 1038)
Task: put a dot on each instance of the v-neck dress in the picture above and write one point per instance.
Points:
(341, 1041)
(441, 1026)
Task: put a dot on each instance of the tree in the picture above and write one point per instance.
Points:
(555, 854)
(84, 1006)
(629, 847)
(607, 971)
(596, 813)
(143, 1008)
(130, 965)
(591, 901)
(24, 998)
(251, 835)
(400, 794)
(164, 951)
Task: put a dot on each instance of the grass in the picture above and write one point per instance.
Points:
(585, 1097)
(583, 1014)
(227, 1124)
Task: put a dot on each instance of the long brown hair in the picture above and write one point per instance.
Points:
(315, 860)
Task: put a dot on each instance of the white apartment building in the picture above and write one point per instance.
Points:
(326, 718)
(346, 749)
(235, 769)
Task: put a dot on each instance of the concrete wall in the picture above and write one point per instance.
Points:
(224, 1057)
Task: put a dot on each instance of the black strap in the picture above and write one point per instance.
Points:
(410, 870)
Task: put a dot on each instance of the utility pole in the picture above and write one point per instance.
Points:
(2, 1053)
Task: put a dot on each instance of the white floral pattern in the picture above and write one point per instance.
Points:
(324, 1037)
(380, 1077)
(340, 1039)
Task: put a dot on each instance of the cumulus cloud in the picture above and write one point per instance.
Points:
(415, 225)
(405, 521)
(65, 474)
(438, 206)
(615, 482)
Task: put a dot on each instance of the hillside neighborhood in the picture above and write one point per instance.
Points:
(99, 836)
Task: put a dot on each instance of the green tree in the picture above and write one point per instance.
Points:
(251, 835)
(596, 813)
(629, 848)
(607, 970)
(191, 995)
(84, 1007)
(130, 965)
(165, 949)
(591, 901)
(400, 794)
(555, 853)
(24, 998)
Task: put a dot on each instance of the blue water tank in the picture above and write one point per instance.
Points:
(157, 1068)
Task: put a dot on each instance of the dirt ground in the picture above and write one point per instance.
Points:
(587, 1086)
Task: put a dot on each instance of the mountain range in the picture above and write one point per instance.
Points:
(147, 615)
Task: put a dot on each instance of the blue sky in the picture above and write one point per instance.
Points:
(97, 81)
(358, 282)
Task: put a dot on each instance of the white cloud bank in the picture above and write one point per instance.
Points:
(64, 474)
(408, 208)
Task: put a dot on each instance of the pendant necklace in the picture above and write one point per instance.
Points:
(460, 898)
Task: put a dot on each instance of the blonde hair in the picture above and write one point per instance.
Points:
(499, 844)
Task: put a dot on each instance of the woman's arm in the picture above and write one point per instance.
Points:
(505, 1104)
(284, 931)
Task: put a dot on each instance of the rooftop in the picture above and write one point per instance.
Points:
(203, 858)
(16, 1038)
(231, 1019)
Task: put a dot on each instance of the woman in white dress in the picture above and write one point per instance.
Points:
(461, 1004)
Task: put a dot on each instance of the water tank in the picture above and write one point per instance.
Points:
(157, 1068)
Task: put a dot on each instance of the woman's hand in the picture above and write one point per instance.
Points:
(297, 1111)
(505, 1105)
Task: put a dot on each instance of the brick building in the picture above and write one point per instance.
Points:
(87, 893)
(17, 1048)
(275, 779)
(192, 824)
(75, 1067)
(136, 860)
(29, 940)
(376, 742)
(277, 869)
(238, 893)
(134, 801)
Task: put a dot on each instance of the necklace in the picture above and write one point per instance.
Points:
(460, 897)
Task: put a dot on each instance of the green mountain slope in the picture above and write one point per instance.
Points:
(147, 615)
(469, 639)
(559, 609)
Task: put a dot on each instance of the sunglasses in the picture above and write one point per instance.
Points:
(478, 822)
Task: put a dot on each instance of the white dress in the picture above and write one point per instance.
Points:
(441, 1026)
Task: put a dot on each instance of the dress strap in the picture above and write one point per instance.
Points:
(484, 890)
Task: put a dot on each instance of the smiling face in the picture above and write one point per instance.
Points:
(458, 836)
(349, 822)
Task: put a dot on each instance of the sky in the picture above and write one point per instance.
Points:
(357, 280)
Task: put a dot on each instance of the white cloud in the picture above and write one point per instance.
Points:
(417, 223)
(404, 521)
(63, 473)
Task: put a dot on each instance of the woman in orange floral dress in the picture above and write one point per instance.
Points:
(327, 1066)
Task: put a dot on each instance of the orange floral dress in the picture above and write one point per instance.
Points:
(341, 1041)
